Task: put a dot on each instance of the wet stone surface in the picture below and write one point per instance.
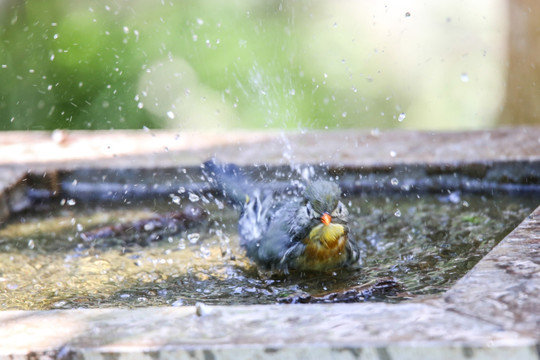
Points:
(512, 301)
(73, 255)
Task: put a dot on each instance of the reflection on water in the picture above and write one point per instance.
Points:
(424, 242)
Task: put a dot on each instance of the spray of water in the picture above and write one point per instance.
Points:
(275, 94)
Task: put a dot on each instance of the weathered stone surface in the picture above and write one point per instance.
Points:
(9, 176)
(355, 148)
(263, 329)
(504, 287)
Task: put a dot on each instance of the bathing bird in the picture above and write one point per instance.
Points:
(304, 232)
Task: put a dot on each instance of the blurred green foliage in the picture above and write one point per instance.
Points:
(186, 64)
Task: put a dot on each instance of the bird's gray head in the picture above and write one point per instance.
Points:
(322, 195)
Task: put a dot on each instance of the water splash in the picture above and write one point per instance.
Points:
(275, 95)
(193, 238)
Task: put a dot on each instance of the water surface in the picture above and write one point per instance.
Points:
(423, 242)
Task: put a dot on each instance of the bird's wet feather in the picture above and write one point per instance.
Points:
(305, 232)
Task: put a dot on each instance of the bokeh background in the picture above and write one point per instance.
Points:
(296, 65)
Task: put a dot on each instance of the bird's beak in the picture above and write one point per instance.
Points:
(326, 219)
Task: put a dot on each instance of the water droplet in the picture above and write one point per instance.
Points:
(31, 244)
(145, 128)
(393, 153)
(205, 251)
(71, 202)
(181, 190)
(149, 226)
(80, 227)
(178, 302)
(176, 199)
(126, 29)
(193, 197)
(12, 286)
(464, 77)
(140, 105)
(219, 204)
(397, 213)
(59, 136)
(394, 181)
(60, 304)
(200, 21)
(455, 197)
(193, 238)
(401, 117)
(344, 114)
(170, 114)
(182, 244)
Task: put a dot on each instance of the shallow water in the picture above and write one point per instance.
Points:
(423, 242)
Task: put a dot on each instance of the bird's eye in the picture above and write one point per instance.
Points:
(340, 211)
(310, 212)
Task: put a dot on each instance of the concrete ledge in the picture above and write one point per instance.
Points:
(491, 313)
(275, 331)
(512, 301)
(33, 150)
